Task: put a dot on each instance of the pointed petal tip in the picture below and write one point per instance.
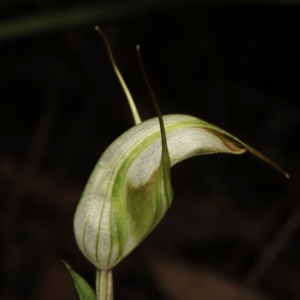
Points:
(268, 161)
(279, 169)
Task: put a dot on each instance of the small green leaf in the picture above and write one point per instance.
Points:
(84, 290)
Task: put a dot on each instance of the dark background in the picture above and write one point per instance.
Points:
(232, 231)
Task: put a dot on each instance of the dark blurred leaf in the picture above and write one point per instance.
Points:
(74, 16)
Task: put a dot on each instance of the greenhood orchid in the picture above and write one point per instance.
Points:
(129, 190)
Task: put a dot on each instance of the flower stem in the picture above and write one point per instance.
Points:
(104, 284)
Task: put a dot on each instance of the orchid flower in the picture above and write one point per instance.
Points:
(129, 190)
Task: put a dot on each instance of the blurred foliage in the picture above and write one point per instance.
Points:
(78, 15)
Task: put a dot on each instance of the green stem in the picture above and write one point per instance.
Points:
(104, 284)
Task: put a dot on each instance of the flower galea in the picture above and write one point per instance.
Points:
(129, 190)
